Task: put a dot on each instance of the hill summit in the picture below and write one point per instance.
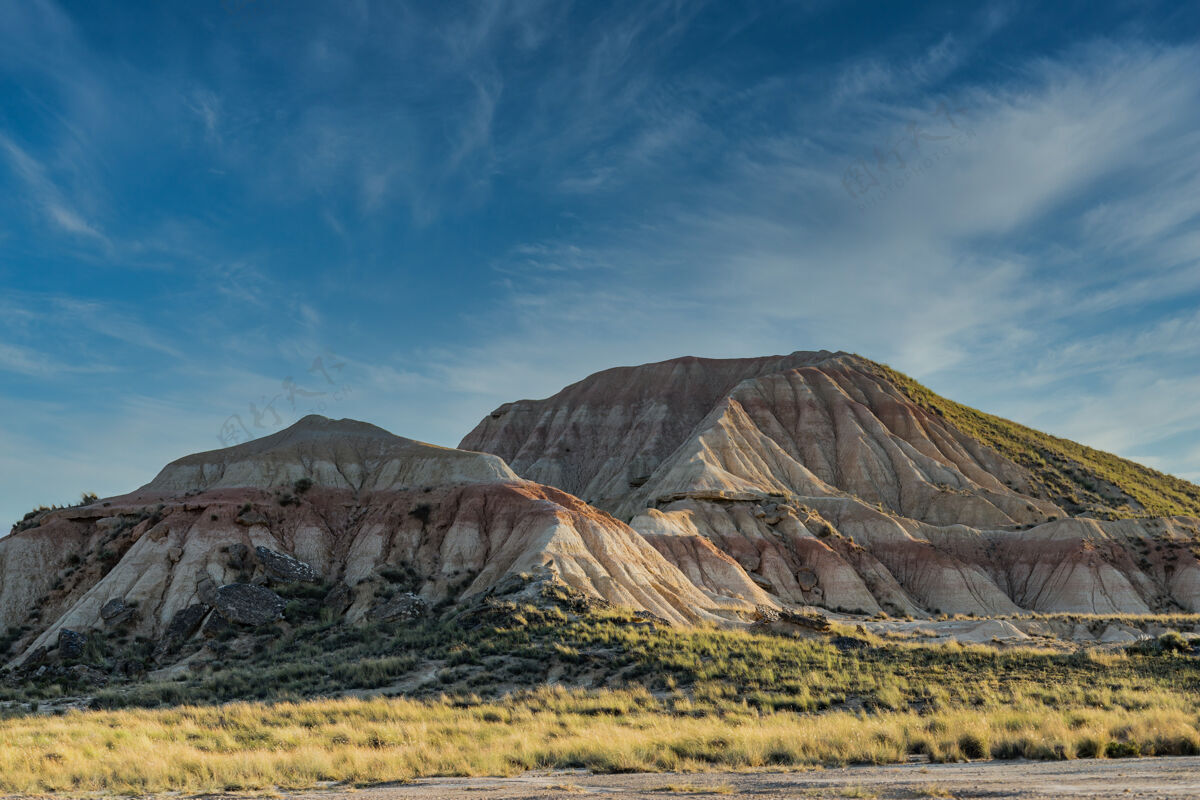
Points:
(337, 454)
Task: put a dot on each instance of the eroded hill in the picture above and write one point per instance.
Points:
(387, 527)
(831, 480)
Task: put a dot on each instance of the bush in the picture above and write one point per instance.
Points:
(1173, 642)
(1168, 643)
(1122, 750)
(973, 746)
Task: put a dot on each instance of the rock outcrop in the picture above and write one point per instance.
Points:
(71, 643)
(406, 606)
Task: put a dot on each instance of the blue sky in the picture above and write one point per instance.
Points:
(453, 205)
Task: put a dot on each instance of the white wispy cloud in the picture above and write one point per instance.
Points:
(45, 195)
(38, 364)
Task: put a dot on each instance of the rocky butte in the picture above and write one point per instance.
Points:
(694, 490)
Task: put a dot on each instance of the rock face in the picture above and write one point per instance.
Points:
(814, 479)
(193, 546)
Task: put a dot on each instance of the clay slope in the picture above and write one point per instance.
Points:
(598, 437)
(392, 527)
(826, 483)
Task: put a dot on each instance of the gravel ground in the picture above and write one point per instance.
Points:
(1143, 777)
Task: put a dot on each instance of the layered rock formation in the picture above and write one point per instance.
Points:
(371, 515)
(718, 490)
(821, 478)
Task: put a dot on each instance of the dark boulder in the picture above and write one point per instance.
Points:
(338, 598)
(244, 604)
(282, 567)
(87, 675)
(116, 611)
(70, 644)
(180, 629)
(404, 607)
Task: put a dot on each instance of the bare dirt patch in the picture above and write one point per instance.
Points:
(1143, 777)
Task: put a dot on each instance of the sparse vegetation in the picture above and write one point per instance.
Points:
(33, 518)
(629, 694)
(1078, 478)
(422, 512)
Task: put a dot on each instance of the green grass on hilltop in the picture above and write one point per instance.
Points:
(1078, 478)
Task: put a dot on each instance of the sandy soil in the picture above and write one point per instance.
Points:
(1146, 777)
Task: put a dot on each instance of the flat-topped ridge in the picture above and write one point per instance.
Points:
(341, 453)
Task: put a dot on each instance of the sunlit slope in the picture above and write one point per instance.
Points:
(1082, 480)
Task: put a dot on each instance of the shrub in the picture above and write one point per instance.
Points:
(973, 746)
(1173, 642)
(1122, 750)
